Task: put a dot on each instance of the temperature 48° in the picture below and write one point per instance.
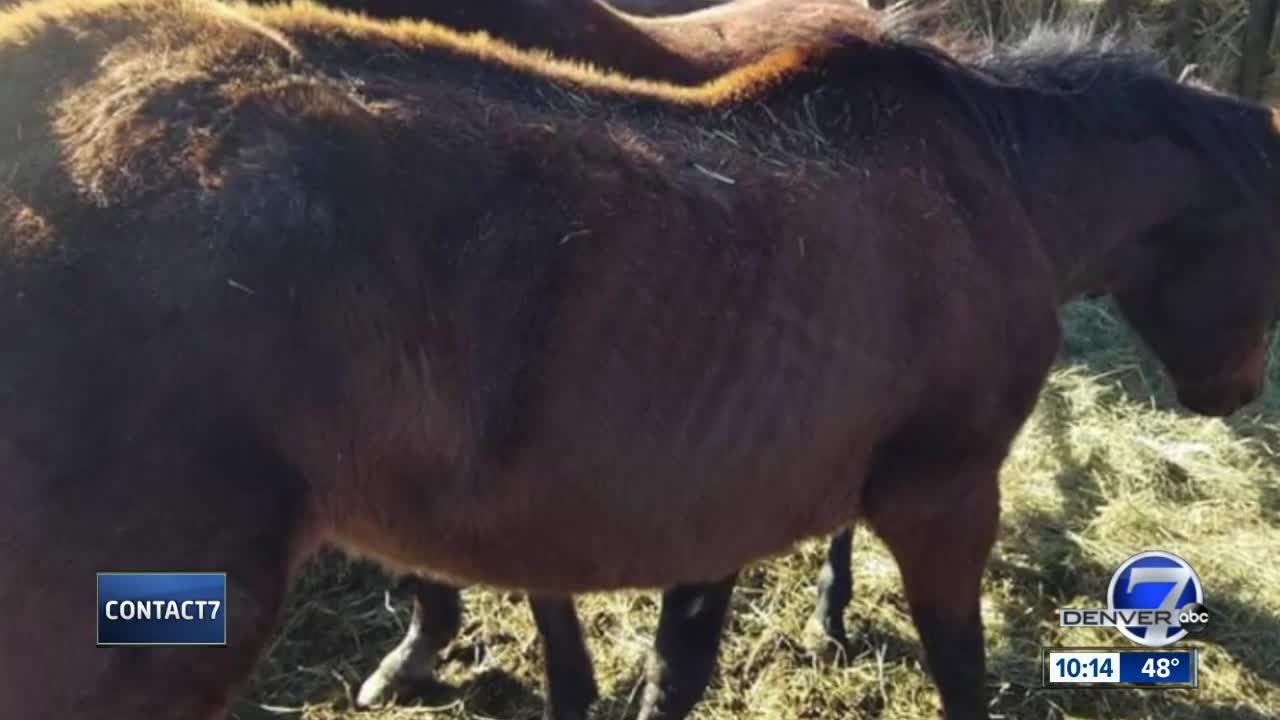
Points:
(1161, 667)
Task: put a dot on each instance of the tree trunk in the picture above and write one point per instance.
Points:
(1256, 48)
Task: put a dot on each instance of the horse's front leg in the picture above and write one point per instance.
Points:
(437, 617)
(570, 684)
(941, 549)
(685, 650)
(835, 590)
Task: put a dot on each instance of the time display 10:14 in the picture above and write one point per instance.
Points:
(1074, 667)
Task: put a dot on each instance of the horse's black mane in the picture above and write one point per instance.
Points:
(1069, 79)
(1103, 84)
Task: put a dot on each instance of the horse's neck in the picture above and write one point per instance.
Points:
(721, 38)
(1090, 197)
(573, 29)
(553, 25)
(565, 27)
(655, 48)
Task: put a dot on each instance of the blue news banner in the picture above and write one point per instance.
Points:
(162, 609)
(1120, 667)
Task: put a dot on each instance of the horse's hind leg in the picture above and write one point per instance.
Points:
(226, 508)
(437, 617)
(684, 654)
(835, 590)
(570, 679)
(941, 549)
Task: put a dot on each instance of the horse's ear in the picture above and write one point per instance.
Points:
(1275, 119)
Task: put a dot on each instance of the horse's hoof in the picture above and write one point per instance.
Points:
(828, 643)
(393, 680)
(244, 710)
(375, 690)
(572, 703)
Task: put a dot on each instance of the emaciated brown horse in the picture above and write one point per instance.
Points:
(274, 277)
(685, 48)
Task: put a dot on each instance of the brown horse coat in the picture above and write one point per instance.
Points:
(766, 210)
(281, 276)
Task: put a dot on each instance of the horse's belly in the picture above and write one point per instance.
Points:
(587, 532)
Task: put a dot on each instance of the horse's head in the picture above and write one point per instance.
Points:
(1186, 227)
(1202, 297)
(1202, 288)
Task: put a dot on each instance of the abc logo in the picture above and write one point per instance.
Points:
(1168, 587)
(1193, 617)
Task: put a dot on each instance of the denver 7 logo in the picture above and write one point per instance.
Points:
(1157, 581)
